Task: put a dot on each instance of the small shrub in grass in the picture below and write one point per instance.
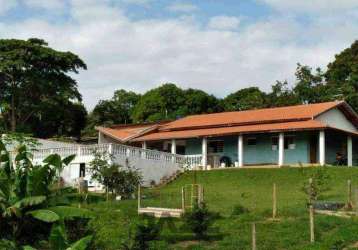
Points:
(199, 220)
(320, 184)
(239, 210)
(146, 231)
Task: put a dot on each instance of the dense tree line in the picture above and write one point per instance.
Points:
(167, 102)
(38, 96)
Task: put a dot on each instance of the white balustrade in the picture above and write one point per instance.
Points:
(118, 150)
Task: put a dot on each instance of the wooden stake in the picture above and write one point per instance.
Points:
(274, 201)
(253, 236)
(139, 197)
(349, 189)
(356, 197)
(182, 199)
(310, 181)
(312, 224)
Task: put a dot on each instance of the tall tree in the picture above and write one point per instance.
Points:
(281, 95)
(248, 98)
(199, 102)
(116, 110)
(160, 103)
(342, 74)
(33, 74)
(310, 86)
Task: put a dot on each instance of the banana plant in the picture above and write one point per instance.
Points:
(28, 190)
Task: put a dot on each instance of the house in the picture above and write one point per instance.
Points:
(321, 133)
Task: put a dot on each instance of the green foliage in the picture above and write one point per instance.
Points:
(320, 184)
(116, 178)
(146, 231)
(44, 215)
(37, 93)
(26, 191)
(244, 99)
(199, 220)
(239, 210)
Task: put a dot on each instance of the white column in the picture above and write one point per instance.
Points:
(349, 151)
(144, 146)
(281, 149)
(204, 152)
(240, 150)
(322, 148)
(174, 147)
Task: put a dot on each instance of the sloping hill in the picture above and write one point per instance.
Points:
(252, 189)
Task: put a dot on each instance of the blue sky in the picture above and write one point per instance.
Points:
(219, 46)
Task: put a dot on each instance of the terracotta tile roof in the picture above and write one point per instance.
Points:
(299, 117)
(124, 133)
(281, 114)
(257, 128)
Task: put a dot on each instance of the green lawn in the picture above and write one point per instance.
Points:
(252, 188)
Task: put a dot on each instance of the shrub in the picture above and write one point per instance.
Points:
(123, 180)
(320, 184)
(239, 209)
(199, 220)
(145, 232)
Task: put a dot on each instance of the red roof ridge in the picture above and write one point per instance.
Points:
(253, 116)
(337, 102)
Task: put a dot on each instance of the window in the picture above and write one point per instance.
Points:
(252, 141)
(290, 142)
(82, 169)
(215, 146)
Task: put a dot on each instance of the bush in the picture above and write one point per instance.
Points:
(123, 180)
(320, 184)
(239, 209)
(146, 231)
(200, 220)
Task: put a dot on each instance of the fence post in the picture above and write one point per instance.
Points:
(310, 181)
(312, 223)
(182, 199)
(139, 197)
(274, 201)
(356, 200)
(349, 189)
(253, 236)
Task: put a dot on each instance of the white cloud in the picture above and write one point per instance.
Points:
(182, 7)
(312, 5)
(224, 22)
(6, 5)
(138, 55)
(57, 5)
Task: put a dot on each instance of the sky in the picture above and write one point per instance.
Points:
(219, 46)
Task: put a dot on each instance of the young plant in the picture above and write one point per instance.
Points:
(122, 180)
(199, 220)
(319, 184)
(145, 232)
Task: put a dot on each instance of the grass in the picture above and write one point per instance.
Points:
(225, 190)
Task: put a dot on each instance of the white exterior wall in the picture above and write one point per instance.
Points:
(335, 118)
(153, 165)
(102, 138)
